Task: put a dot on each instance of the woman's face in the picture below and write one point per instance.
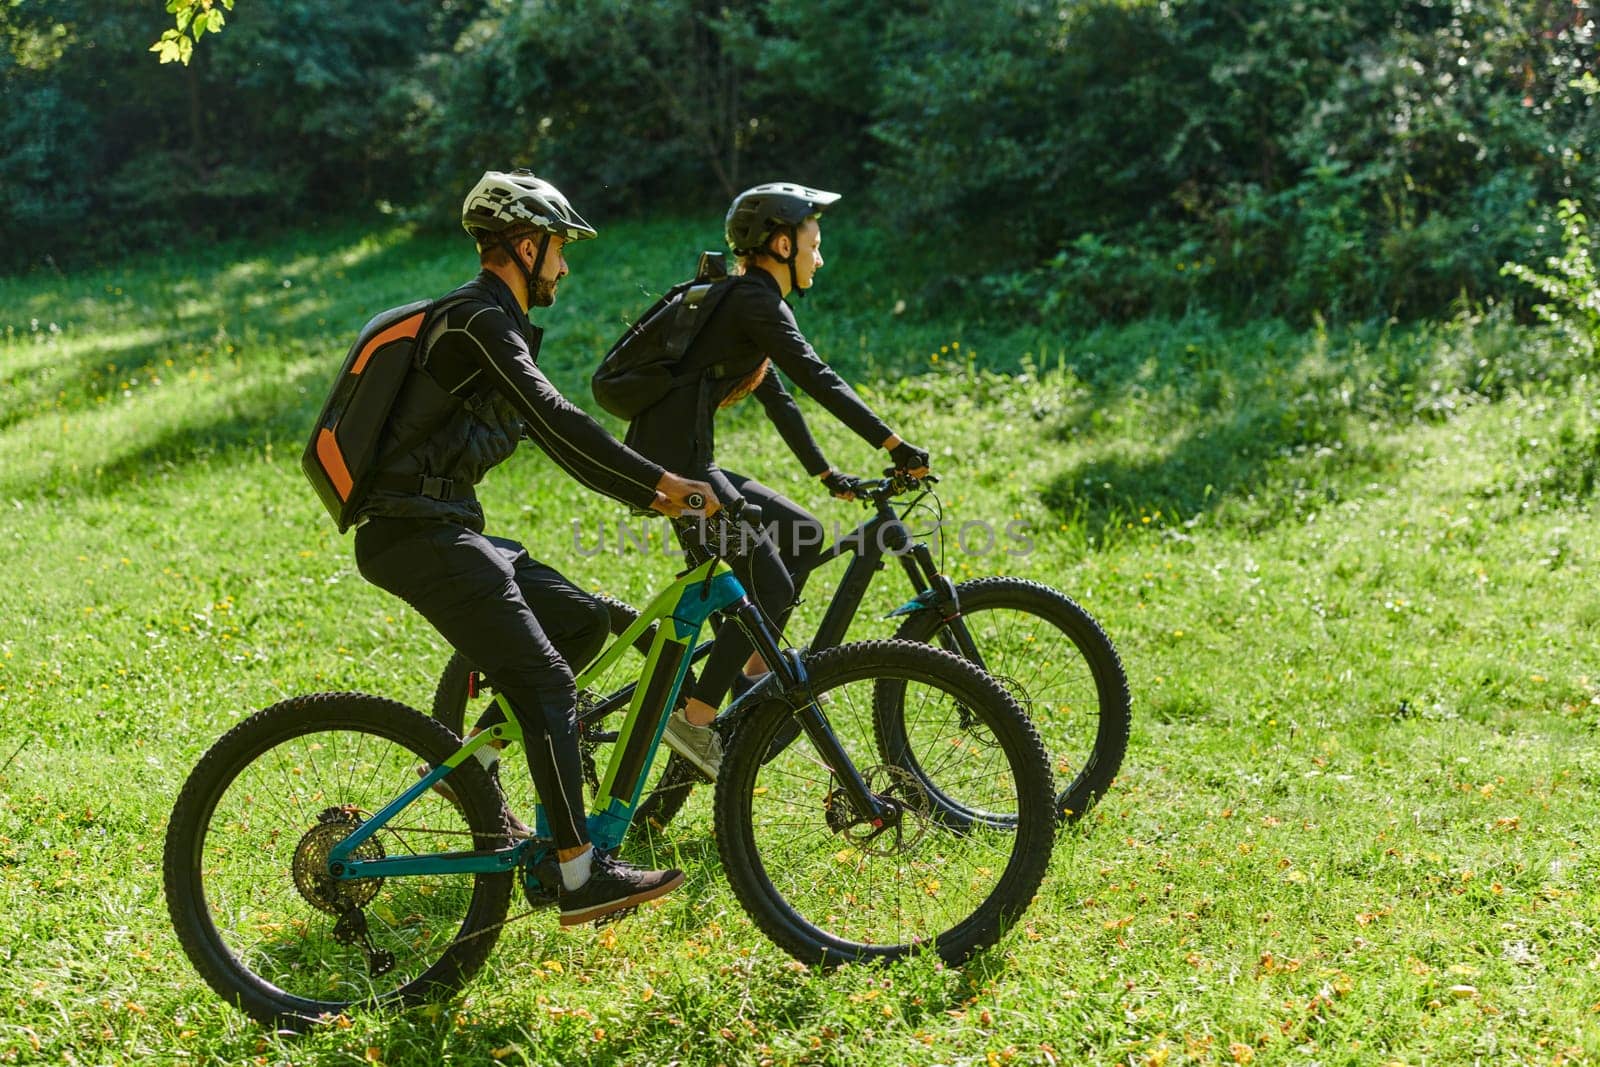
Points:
(808, 248)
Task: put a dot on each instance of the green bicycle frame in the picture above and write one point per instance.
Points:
(686, 604)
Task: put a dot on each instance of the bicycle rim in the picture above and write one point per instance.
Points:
(1054, 660)
(282, 937)
(829, 887)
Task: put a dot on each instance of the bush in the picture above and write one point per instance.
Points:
(1087, 161)
(1573, 284)
(1354, 160)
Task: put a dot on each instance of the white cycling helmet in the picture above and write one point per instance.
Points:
(511, 200)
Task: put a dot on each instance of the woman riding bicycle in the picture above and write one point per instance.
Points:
(775, 231)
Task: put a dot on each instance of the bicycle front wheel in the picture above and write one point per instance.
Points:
(1058, 664)
(246, 862)
(830, 887)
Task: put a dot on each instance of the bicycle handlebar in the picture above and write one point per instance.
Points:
(725, 529)
(893, 483)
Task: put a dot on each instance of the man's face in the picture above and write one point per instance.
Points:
(551, 271)
(809, 248)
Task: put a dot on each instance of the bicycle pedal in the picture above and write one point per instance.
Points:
(615, 916)
(541, 881)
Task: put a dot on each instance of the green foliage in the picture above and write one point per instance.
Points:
(192, 19)
(47, 131)
(1078, 162)
(299, 110)
(683, 102)
(1354, 160)
(1573, 284)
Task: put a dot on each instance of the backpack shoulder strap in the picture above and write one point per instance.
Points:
(707, 295)
(440, 306)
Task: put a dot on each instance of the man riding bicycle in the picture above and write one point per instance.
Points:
(477, 391)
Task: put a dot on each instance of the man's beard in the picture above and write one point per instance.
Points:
(544, 293)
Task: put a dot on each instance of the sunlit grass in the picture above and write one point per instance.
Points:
(1351, 576)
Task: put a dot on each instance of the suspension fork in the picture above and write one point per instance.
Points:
(935, 592)
(789, 672)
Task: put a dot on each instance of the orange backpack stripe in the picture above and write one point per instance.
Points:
(333, 464)
(341, 456)
(403, 329)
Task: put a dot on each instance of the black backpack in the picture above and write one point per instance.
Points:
(342, 455)
(644, 363)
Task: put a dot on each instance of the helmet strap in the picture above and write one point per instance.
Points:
(538, 262)
(793, 256)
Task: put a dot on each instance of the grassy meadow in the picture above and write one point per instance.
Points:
(1351, 573)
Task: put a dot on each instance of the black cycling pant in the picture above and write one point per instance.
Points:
(515, 619)
(766, 570)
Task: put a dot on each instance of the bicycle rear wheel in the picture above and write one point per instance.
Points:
(245, 862)
(830, 888)
(1057, 663)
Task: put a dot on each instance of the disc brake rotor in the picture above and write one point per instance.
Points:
(904, 823)
(1017, 691)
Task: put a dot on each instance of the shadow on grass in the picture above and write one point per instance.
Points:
(243, 424)
(1259, 469)
(157, 322)
(729, 1021)
(1250, 426)
(1257, 424)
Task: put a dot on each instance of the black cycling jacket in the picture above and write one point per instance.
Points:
(480, 392)
(751, 323)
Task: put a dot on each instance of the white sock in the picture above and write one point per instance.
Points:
(575, 872)
(488, 755)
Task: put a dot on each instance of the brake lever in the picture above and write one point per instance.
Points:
(904, 481)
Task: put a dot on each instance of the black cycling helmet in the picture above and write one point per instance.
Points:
(513, 202)
(763, 210)
(759, 212)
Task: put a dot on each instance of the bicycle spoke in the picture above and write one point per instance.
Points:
(918, 874)
(260, 908)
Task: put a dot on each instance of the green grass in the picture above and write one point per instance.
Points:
(1351, 574)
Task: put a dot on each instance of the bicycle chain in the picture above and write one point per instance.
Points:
(518, 871)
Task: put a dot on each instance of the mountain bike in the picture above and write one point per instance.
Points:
(1040, 644)
(308, 868)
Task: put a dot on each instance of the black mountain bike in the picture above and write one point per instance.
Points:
(308, 868)
(1045, 649)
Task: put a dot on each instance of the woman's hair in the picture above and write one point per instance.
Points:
(746, 385)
